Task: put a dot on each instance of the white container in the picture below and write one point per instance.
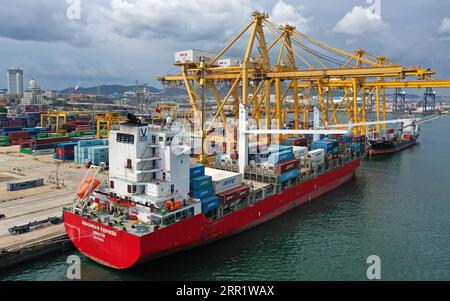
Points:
(315, 154)
(230, 62)
(193, 56)
(223, 180)
(300, 151)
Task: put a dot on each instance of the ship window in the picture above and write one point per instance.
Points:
(161, 139)
(129, 189)
(125, 138)
(111, 184)
(134, 188)
(129, 164)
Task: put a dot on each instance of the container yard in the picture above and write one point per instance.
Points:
(272, 155)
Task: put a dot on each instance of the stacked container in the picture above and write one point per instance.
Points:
(330, 146)
(223, 180)
(296, 141)
(66, 151)
(95, 150)
(201, 188)
(316, 157)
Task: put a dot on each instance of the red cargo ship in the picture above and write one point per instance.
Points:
(130, 222)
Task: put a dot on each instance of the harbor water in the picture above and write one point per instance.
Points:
(397, 207)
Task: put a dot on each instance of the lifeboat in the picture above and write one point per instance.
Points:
(82, 193)
(171, 206)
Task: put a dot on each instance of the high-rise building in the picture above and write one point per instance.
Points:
(15, 81)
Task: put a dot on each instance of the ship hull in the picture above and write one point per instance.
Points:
(121, 250)
(394, 149)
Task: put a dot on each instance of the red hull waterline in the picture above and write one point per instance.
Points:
(121, 250)
(375, 152)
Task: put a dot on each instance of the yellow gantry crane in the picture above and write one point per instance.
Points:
(58, 118)
(295, 66)
(107, 120)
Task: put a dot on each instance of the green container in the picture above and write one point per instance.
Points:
(42, 135)
(26, 151)
(86, 133)
(4, 139)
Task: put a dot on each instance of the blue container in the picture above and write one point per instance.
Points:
(328, 145)
(289, 175)
(44, 146)
(201, 182)
(202, 193)
(280, 157)
(280, 148)
(67, 146)
(94, 142)
(196, 170)
(210, 204)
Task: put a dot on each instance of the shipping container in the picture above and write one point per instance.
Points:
(296, 141)
(210, 203)
(193, 56)
(200, 182)
(24, 184)
(234, 194)
(279, 148)
(300, 151)
(223, 180)
(230, 62)
(292, 174)
(286, 166)
(280, 157)
(328, 145)
(202, 193)
(196, 170)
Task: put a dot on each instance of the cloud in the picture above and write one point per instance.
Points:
(283, 13)
(180, 19)
(41, 20)
(445, 26)
(360, 21)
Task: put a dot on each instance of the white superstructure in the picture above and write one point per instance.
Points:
(145, 167)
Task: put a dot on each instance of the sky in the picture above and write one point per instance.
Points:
(65, 43)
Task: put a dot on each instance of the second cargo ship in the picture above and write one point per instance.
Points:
(156, 203)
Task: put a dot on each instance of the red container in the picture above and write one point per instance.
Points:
(83, 128)
(285, 166)
(390, 131)
(78, 123)
(51, 140)
(18, 135)
(63, 152)
(15, 122)
(233, 195)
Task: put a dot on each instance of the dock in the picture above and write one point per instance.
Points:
(34, 204)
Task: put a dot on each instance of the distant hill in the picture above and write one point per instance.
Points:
(114, 90)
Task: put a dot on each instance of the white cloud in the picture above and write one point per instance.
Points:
(283, 13)
(445, 26)
(180, 19)
(359, 21)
